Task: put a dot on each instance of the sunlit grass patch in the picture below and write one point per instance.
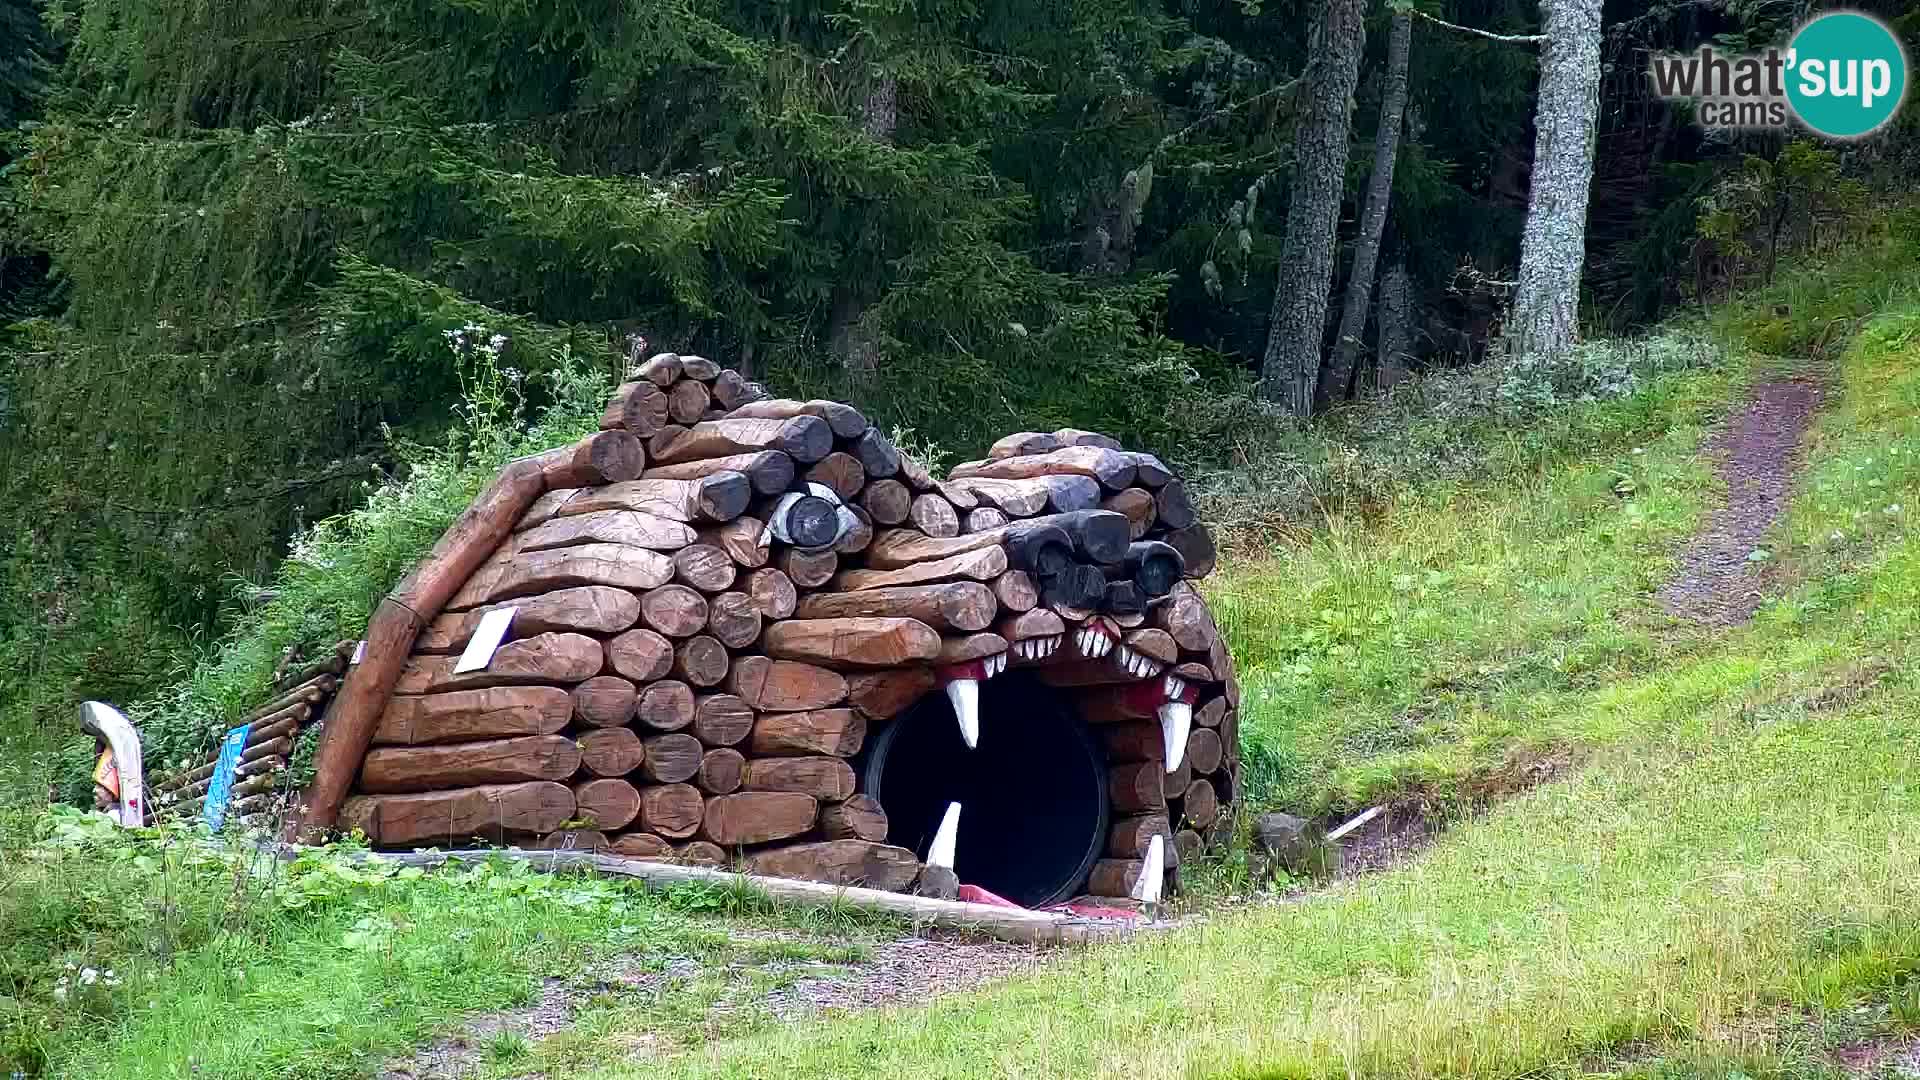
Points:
(1388, 656)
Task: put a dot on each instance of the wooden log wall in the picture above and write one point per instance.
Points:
(681, 680)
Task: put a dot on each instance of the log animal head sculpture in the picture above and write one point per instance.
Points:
(751, 630)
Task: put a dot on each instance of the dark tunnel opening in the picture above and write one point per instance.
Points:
(1033, 793)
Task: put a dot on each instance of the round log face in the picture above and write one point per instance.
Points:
(723, 595)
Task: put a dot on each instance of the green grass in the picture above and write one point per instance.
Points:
(230, 965)
(1727, 885)
(1402, 655)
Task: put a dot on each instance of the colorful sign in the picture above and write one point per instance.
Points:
(106, 774)
(220, 788)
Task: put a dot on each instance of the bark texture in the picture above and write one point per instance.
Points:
(1546, 305)
(1373, 220)
(849, 340)
(1396, 326)
(1291, 365)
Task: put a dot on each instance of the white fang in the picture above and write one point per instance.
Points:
(1153, 870)
(947, 838)
(1176, 723)
(965, 696)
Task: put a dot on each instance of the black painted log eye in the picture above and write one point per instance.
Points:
(1076, 586)
(1155, 568)
(811, 519)
(1041, 550)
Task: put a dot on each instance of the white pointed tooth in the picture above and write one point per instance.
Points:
(1021, 650)
(1153, 871)
(1176, 723)
(1151, 667)
(965, 696)
(1105, 643)
(946, 839)
(1053, 643)
(1175, 686)
(1080, 641)
(1000, 663)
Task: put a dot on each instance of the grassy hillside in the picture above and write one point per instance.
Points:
(1718, 878)
(1725, 885)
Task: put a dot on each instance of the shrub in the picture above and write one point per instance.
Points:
(336, 572)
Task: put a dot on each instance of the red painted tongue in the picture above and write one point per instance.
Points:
(974, 894)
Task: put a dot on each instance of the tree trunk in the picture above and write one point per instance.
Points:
(1291, 365)
(1106, 247)
(1396, 326)
(1366, 250)
(849, 340)
(1546, 306)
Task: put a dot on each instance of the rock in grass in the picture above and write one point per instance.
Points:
(1295, 843)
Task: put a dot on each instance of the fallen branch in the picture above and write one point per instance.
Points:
(1509, 39)
(1007, 924)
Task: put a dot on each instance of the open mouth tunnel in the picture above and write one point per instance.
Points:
(1034, 792)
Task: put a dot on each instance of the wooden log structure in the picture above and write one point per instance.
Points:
(840, 862)
(860, 817)
(607, 802)
(716, 497)
(806, 439)
(768, 472)
(398, 769)
(715, 599)
(757, 817)
(590, 609)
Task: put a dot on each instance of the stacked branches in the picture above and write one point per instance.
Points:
(274, 732)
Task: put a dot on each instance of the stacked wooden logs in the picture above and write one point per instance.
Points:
(300, 694)
(697, 649)
(1160, 628)
(1187, 804)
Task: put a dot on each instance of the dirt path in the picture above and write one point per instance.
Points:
(1758, 453)
(902, 971)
